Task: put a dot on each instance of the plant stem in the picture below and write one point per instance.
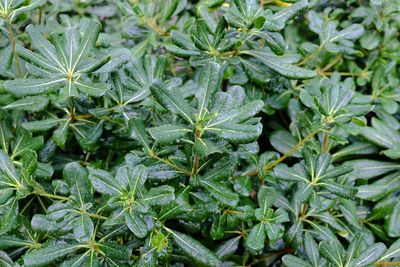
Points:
(333, 63)
(14, 45)
(325, 145)
(196, 159)
(44, 194)
(96, 216)
(271, 165)
(154, 156)
(384, 263)
(311, 56)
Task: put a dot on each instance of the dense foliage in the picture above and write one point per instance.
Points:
(200, 133)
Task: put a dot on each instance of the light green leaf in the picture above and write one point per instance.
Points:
(368, 169)
(77, 178)
(5, 260)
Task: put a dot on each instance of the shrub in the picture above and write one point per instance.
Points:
(205, 133)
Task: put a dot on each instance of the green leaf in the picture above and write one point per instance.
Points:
(48, 254)
(160, 195)
(371, 255)
(204, 147)
(9, 213)
(29, 161)
(87, 43)
(367, 168)
(283, 172)
(179, 206)
(266, 197)
(32, 104)
(392, 252)
(220, 192)
(209, 82)
(311, 248)
(340, 190)
(274, 40)
(7, 169)
(292, 261)
(44, 47)
(394, 226)
(138, 132)
(380, 188)
(256, 238)
(5, 260)
(136, 224)
(236, 133)
(92, 89)
(353, 248)
(25, 87)
(333, 251)
(88, 135)
(275, 63)
(77, 178)
(228, 247)
(61, 134)
(166, 134)
(45, 64)
(115, 251)
(283, 141)
(83, 228)
(132, 178)
(172, 101)
(277, 21)
(103, 182)
(193, 249)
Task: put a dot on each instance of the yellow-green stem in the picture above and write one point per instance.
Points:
(290, 152)
(14, 45)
